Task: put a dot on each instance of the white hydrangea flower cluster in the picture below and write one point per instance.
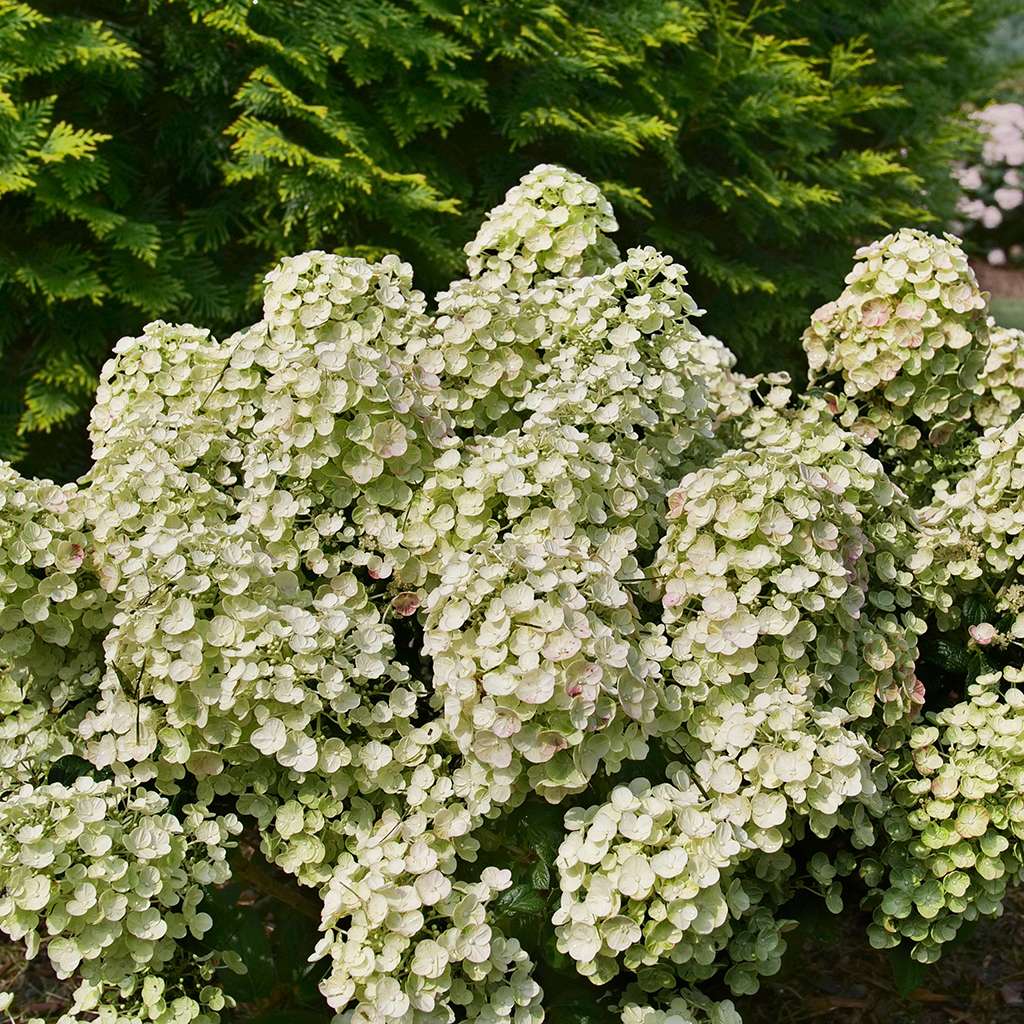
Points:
(728, 392)
(308, 827)
(53, 614)
(414, 940)
(475, 497)
(552, 224)
(975, 543)
(907, 337)
(377, 579)
(30, 736)
(628, 355)
(108, 875)
(492, 328)
(190, 999)
(541, 509)
(310, 430)
(53, 610)
(540, 656)
(229, 602)
(661, 878)
(690, 1007)
(485, 347)
(954, 836)
(792, 565)
(915, 360)
(38, 536)
(1002, 378)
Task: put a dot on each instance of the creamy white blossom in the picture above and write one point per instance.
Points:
(378, 582)
(907, 337)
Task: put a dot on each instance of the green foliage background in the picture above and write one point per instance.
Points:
(156, 157)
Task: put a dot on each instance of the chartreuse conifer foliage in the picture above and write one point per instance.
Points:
(531, 646)
(156, 159)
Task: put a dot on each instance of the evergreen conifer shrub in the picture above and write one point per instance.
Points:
(520, 656)
(156, 160)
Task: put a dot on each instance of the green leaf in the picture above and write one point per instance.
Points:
(68, 768)
(540, 876)
(542, 825)
(974, 610)
(907, 973)
(520, 901)
(294, 937)
(579, 1011)
(242, 930)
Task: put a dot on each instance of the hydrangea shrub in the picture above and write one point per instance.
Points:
(518, 641)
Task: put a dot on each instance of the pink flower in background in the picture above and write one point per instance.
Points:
(1014, 153)
(1009, 198)
(992, 193)
(969, 178)
(992, 217)
(1005, 135)
(972, 208)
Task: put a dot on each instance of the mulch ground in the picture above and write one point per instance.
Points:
(835, 976)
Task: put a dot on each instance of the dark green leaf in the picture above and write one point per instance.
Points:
(520, 901)
(540, 876)
(908, 974)
(242, 930)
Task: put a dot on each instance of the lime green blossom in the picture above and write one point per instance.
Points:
(372, 577)
(953, 840)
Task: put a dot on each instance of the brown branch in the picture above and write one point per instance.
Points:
(263, 880)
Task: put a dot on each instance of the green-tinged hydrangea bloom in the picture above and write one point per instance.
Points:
(953, 840)
(976, 535)
(410, 947)
(188, 999)
(658, 878)
(1002, 378)
(793, 562)
(477, 495)
(540, 656)
(691, 1007)
(908, 336)
(108, 874)
(54, 611)
(627, 354)
(552, 224)
(311, 827)
(728, 392)
(485, 348)
(368, 586)
(914, 360)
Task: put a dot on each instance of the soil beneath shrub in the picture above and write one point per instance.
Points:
(835, 976)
